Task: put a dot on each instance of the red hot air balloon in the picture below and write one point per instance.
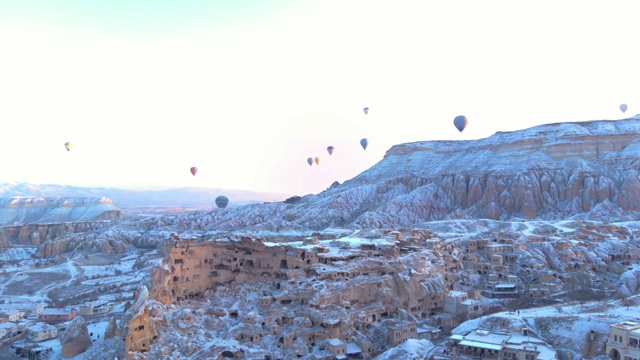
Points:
(366, 110)
(194, 170)
(330, 150)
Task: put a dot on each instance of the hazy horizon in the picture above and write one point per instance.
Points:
(248, 90)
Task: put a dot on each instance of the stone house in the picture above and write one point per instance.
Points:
(538, 239)
(469, 261)
(539, 291)
(7, 329)
(24, 324)
(428, 333)
(483, 268)
(13, 315)
(252, 333)
(445, 322)
(337, 347)
(58, 315)
(493, 249)
(33, 308)
(624, 341)
(41, 332)
(401, 332)
(503, 345)
(458, 303)
(94, 308)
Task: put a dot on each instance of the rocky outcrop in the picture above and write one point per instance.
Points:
(552, 172)
(75, 339)
(56, 238)
(135, 327)
(29, 210)
(36, 234)
(110, 331)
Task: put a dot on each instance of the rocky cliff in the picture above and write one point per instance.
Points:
(586, 170)
(29, 210)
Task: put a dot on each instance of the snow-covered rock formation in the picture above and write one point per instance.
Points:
(75, 339)
(29, 210)
(556, 171)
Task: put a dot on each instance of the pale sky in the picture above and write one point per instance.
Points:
(248, 90)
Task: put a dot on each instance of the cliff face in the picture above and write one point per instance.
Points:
(582, 170)
(550, 171)
(54, 239)
(28, 210)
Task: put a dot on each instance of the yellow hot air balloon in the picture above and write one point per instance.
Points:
(317, 160)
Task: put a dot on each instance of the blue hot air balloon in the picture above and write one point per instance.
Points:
(460, 122)
(222, 201)
(364, 143)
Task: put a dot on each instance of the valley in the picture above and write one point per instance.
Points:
(438, 250)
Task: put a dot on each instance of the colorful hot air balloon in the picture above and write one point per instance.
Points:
(222, 201)
(310, 161)
(460, 122)
(67, 145)
(623, 108)
(364, 143)
(194, 170)
(317, 160)
(330, 150)
(366, 110)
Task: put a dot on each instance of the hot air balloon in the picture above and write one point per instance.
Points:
(310, 161)
(222, 201)
(364, 142)
(67, 145)
(623, 108)
(366, 110)
(194, 170)
(330, 150)
(460, 122)
(317, 160)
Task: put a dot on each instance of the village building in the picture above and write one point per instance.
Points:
(458, 303)
(12, 314)
(337, 347)
(7, 329)
(24, 324)
(624, 341)
(503, 345)
(428, 332)
(41, 332)
(32, 308)
(94, 308)
(401, 332)
(58, 315)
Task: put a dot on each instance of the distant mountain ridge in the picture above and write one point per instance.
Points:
(188, 198)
